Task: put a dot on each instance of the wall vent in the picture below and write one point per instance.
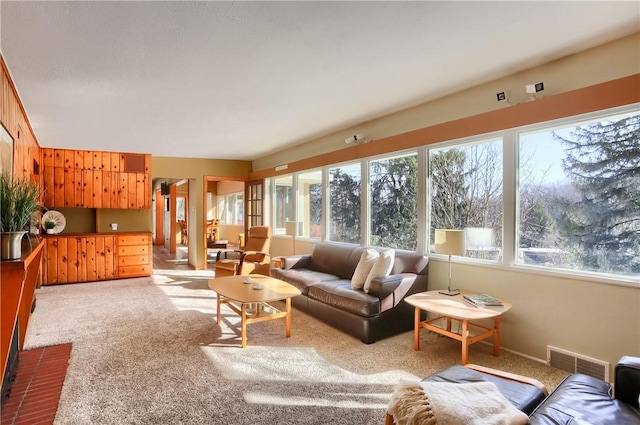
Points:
(577, 363)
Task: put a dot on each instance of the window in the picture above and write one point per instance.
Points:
(344, 203)
(181, 208)
(283, 203)
(559, 197)
(310, 203)
(393, 202)
(231, 206)
(579, 187)
(466, 193)
(239, 209)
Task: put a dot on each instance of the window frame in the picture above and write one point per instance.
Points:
(510, 201)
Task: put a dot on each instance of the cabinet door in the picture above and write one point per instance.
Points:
(92, 271)
(62, 260)
(87, 189)
(97, 160)
(106, 189)
(58, 187)
(122, 190)
(78, 160)
(72, 260)
(49, 185)
(77, 189)
(87, 160)
(69, 187)
(140, 190)
(97, 188)
(110, 257)
(82, 259)
(50, 262)
(47, 171)
(100, 259)
(131, 190)
(115, 191)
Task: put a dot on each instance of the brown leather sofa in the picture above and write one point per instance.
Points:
(324, 278)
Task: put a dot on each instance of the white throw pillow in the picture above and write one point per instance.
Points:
(382, 267)
(367, 260)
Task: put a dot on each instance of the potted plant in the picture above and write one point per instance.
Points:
(49, 225)
(18, 201)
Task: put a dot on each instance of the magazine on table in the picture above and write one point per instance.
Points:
(482, 300)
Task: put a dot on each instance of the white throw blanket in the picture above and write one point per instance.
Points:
(445, 403)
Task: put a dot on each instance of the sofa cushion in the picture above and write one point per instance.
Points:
(381, 268)
(366, 263)
(335, 258)
(338, 293)
(302, 278)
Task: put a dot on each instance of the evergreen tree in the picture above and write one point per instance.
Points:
(394, 202)
(315, 210)
(345, 207)
(449, 193)
(537, 226)
(603, 226)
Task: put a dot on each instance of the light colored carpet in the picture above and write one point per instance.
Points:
(148, 351)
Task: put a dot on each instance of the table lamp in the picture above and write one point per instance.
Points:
(450, 242)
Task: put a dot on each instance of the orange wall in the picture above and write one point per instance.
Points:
(622, 91)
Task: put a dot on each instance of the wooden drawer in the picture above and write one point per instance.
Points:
(127, 240)
(133, 260)
(134, 255)
(134, 271)
(133, 250)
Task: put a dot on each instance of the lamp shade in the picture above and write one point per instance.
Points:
(479, 238)
(450, 242)
(293, 228)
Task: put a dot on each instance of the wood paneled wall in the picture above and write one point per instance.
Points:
(26, 150)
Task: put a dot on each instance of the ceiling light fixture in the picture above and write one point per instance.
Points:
(532, 89)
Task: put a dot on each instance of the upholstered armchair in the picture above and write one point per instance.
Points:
(254, 256)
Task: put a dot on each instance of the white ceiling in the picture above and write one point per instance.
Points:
(238, 80)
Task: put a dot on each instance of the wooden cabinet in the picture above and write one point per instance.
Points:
(72, 259)
(134, 255)
(96, 257)
(95, 179)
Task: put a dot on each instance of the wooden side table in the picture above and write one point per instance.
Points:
(452, 308)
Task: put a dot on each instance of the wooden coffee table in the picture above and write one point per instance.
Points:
(453, 308)
(232, 290)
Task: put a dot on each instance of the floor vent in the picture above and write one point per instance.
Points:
(577, 363)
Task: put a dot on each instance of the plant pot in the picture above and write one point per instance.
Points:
(11, 245)
(51, 231)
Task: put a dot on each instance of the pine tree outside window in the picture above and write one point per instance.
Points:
(393, 202)
(344, 203)
(579, 196)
